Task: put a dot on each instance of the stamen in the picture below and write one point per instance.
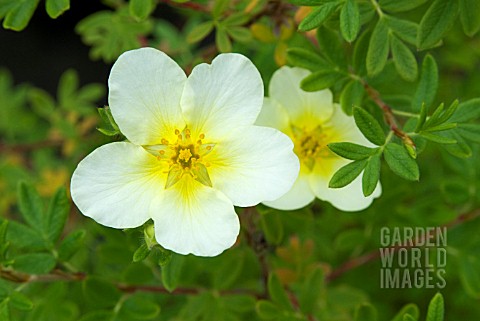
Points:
(164, 141)
(177, 132)
(202, 136)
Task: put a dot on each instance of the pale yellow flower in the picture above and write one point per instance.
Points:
(192, 152)
(312, 121)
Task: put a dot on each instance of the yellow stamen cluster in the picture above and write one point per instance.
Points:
(310, 145)
(185, 156)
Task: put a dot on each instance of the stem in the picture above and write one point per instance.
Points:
(374, 255)
(388, 114)
(377, 8)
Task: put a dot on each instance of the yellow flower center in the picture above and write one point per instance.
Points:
(184, 157)
(310, 145)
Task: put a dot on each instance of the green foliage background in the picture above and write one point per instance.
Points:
(399, 66)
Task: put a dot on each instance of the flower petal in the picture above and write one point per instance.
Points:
(145, 88)
(300, 195)
(193, 218)
(273, 115)
(116, 183)
(227, 93)
(349, 198)
(254, 164)
(306, 109)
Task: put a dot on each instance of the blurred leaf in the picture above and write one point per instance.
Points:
(470, 132)
(31, 206)
(427, 85)
(141, 253)
(400, 162)
(468, 271)
(171, 272)
(277, 292)
(410, 309)
(20, 301)
(466, 111)
(435, 308)
(436, 21)
(378, 48)
(57, 214)
(98, 316)
(332, 47)
(365, 312)
(140, 307)
(222, 41)
(228, 272)
(311, 290)
(346, 174)
(267, 310)
(320, 80)
(35, 263)
(318, 16)
(4, 311)
(350, 20)
(17, 13)
(23, 236)
(272, 226)
(400, 6)
(460, 148)
(70, 244)
(371, 175)
(369, 126)
(470, 16)
(56, 7)
(240, 34)
(404, 60)
(100, 293)
(351, 151)
(199, 32)
(140, 9)
(352, 96)
(219, 7)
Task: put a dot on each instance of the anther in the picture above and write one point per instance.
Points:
(187, 131)
(202, 136)
(177, 132)
(164, 141)
(209, 147)
(180, 137)
(199, 142)
(162, 152)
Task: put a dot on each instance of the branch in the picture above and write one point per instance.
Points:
(20, 148)
(186, 5)
(374, 255)
(387, 113)
(59, 275)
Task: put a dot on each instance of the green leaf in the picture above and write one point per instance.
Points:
(236, 19)
(427, 85)
(470, 132)
(240, 34)
(467, 111)
(400, 162)
(31, 206)
(139, 307)
(351, 96)
(408, 317)
(277, 292)
(34, 263)
(410, 309)
(460, 149)
(470, 16)
(309, 3)
(56, 7)
(266, 310)
(350, 20)
(140, 9)
(320, 80)
(369, 126)
(318, 16)
(141, 253)
(42, 103)
(171, 272)
(404, 60)
(371, 175)
(351, 151)
(25, 237)
(272, 226)
(306, 59)
(70, 245)
(228, 272)
(436, 308)
(400, 6)
(20, 14)
(438, 138)
(377, 53)
(468, 271)
(222, 40)
(312, 290)
(421, 119)
(219, 7)
(365, 312)
(100, 293)
(199, 32)
(67, 85)
(20, 301)
(332, 47)
(347, 174)
(437, 20)
(4, 311)
(101, 315)
(57, 215)
(403, 29)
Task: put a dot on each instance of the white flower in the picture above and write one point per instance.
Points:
(192, 152)
(312, 120)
